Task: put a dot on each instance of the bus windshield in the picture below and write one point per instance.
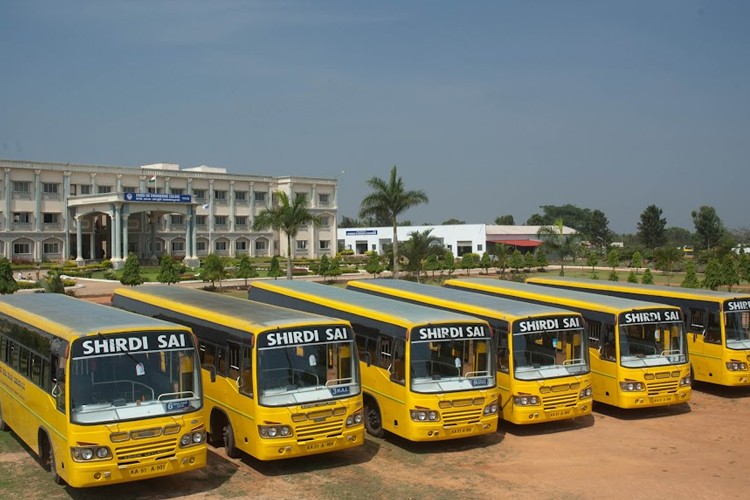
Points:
(549, 354)
(652, 344)
(113, 384)
(307, 373)
(451, 365)
(738, 329)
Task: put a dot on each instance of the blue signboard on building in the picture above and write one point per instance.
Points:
(159, 197)
(362, 232)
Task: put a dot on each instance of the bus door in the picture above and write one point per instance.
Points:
(705, 343)
(603, 350)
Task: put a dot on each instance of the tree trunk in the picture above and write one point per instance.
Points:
(289, 256)
(395, 250)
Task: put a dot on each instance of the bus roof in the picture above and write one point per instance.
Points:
(376, 308)
(70, 318)
(472, 303)
(654, 290)
(240, 314)
(563, 297)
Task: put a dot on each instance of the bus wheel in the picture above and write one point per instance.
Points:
(229, 447)
(373, 421)
(53, 466)
(3, 425)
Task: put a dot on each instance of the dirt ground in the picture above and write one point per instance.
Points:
(698, 449)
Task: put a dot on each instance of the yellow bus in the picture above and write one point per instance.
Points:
(717, 324)
(278, 383)
(103, 396)
(542, 352)
(637, 349)
(427, 375)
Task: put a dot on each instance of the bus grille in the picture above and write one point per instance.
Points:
(558, 401)
(328, 429)
(662, 387)
(461, 417)
(145, 452)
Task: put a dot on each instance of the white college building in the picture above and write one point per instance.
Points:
(458, 238)
(60, 211)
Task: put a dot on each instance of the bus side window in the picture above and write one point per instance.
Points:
(221, 361)
(697, 320)
(398, 371)
(503, 352)
(234, 362)
(246, 371)
(384, 353)
(713, 329)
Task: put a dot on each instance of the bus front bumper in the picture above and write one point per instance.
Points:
(439, 432)
(105, 473)
(643, 400)
(277, 449)
(524, 415)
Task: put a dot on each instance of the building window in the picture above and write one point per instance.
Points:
(21, 187)
(240, 220)
(73, 188)
(221, 246)
(85, 189)
(479, 247)
(200, 246)
(50, 188)
(240, 195)
(200, 220)
(22, 217)
(129, 189)
(176, 191)
(21, 248)
(176, 219)
(325, 244)
(51, 218)
(104, 189)
(261, 245)
(220, 220)
(200, 194)
(325, 221)
(323, 199)
(240, 245)
(260, 196)
(220, 195)
(51, 248)
(301, 244)
(155, 190)
(178, 246)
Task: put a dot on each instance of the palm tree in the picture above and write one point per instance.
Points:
(418, 248)
(388, 201)
(288, 217)
(554, 238)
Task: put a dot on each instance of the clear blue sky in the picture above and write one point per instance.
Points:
(490, 107)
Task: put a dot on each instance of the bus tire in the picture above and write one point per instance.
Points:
(229, 444)
(3, 426)
(47, 457)
(373, 419)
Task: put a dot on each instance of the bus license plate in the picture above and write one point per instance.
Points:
(141, 471)
(559, 413)
(662, 399)
(460, 430)
(320, 446)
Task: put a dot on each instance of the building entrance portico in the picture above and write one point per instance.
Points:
(116, 224)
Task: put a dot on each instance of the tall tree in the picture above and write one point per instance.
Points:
(288, 217)
(390, 199)
(708, 226)
(666, 258)
(7, 281)
(651, 228)
(505, 220)
(213, 269)
(131, 271)
(598, 232)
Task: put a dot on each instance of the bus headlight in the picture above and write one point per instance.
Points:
(491, 408)
(354, 419)
(734, 366)
(192, 438)
(86, 453)
(198, 437)
(424, 415)
(631, 386)
(526, 400)
(586, 393)
(685, 381)
(274, 431)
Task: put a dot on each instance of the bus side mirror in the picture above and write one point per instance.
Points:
(211, 372)
(60, 375)
(366, 358)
